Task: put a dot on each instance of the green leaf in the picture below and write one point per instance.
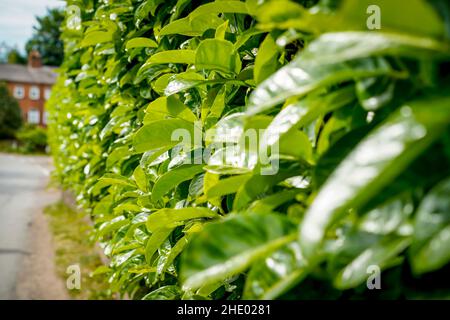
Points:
(387, 218)
(193, 27)
(220, 7)
(303, 112)
(373, 164)
(141, 179)
(173, 178)
(276, 274)
(96, 37)
(266, 60)
(375, 93)
(217, 54)
(184, 81)
(221, 31)
(170, 218)
(336, 47)
(354, 12)
(116, 155)
(299, 80)
(160, 84)
(168, 107)
(259, 184)
(154, 157)
(229, 247)
(163, 133)
(140, 43)
(147, 7)
(112, 225)
(176, 250)
(227, 186)
(429, 251)
(434, 254)
(155, 241)
(232, 160)
(164, 293)
(170, 56)
(213, 107)
(273, 201)
(203, 18)
(111, 179)
(379, 255)
(331, 158)
(339, 57)
(295, 144)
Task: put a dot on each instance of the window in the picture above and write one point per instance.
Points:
(33, 116)
(45, 118)
(19, 92)
(47, 93)
(34, 93)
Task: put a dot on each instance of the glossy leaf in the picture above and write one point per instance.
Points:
(172, 179)
(159, 134)
(379, 255)
(168, 218)
(227, 248)
(432, 230)
(373, 163)
(141, 43)
(277, 273)
(217, 54)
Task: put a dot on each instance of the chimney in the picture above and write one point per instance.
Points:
(34, 59)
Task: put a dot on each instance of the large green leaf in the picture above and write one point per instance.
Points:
(155, 241)
(96, 37)
(217, 54)
(330, 58)
(173, 178)
(345, 46)
(300, 77)
(227, 186)
(432, 230)
(229, 247)
(192, 26)
(266, 60)
(169, 218)
(276, 274)
(373, 164)
(170, 56)
(164, 293)
(162, 133)
(355, 12)
(380, 255)
(203, 18)
(303, 112)
(141, 43)
(165, 107)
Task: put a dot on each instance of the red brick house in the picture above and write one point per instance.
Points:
(31, 86)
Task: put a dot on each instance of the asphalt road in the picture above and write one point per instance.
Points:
(23, 180)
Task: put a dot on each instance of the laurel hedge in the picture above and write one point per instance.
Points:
(351, 94)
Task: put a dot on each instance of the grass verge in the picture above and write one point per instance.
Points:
(74, 246)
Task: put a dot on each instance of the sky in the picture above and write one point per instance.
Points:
(17, 18)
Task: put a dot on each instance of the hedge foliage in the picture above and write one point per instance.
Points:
(360, 118)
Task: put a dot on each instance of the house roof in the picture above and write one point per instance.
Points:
(22, 73)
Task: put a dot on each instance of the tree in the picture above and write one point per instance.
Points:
(14, 56)
(46, 38)
(10, 113)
